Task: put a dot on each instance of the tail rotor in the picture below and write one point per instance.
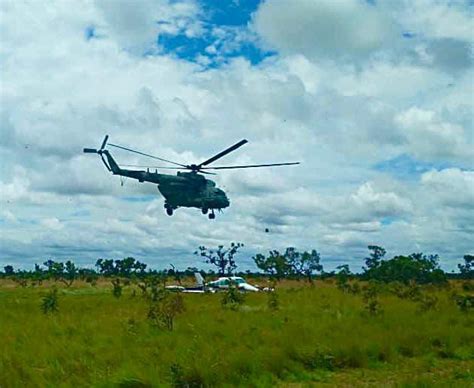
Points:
(100, 151)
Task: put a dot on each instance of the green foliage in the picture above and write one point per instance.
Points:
(410, 291)
(116, 288)
(375, 257)
(8, 269)
(468, 286)
(464, 302)
(273, 301)
(291, 263)
(162, 312)
(370, 295)
(304, 264)
(222, 258)
(21, 278)
(70, 273)
(232, 298)
(124, 268)
(416, 267)
(184, 378)
(467, 269)
(427, 302)
(49, 302)
(58, 271)
(274, 265)
(342, 278)
(317, 336)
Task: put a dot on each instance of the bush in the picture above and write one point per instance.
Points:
(49, 302)
(232, 297)
(427, 302)
(370, 296)
(117, 288)
(161, 313)
(273, 301)
(464, 302)
(416, 267)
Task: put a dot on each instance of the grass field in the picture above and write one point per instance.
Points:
(319, 336)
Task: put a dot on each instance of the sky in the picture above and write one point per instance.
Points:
(374, 98)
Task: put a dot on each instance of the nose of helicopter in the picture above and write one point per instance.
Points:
(224, 201)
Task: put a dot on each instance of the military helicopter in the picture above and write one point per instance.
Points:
(185, 189)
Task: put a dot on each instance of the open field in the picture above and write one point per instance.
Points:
(317, 336)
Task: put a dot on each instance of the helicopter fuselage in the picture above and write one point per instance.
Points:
(185, 189)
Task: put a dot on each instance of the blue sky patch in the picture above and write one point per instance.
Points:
(408, 35)
(89, 33)
(139, 198)
(225, 36)
(406, 167)
(81, 213)
(387, 220)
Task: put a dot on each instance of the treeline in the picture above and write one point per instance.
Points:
(290, 264)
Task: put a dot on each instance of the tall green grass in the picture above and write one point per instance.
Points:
(316, 334)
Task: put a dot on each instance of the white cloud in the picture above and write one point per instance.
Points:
(438, 19)
(454, 187)
(430, 138)
(135, 24)
(51, 223)
(381, 204)
(324, 29)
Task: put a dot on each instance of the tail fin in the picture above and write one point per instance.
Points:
(113, 165)
(199, 279)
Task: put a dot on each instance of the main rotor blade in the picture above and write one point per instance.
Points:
(104, 142)
(160, 167)
(148, 155)
(250, 166)
(223, 153)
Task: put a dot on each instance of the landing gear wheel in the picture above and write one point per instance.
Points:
(212, 216)
(204, 210)
(169, 210)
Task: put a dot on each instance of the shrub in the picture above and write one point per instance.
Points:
(161, 313)
(342, 278)
(117, 288)
(370, 296)
(273, 301)
(415, 267)
(427, 302)
(464, 302)
(49, 302)
(232, 297)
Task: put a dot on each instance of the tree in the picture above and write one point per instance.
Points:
(466, 269)
(70, 273)
(375, 257)
(222, 258)
(9, 270)
(342, 277)
(415, 267)
(125, 267)
(105, 266)
(304, 264)
(275, 264)
(54, 269)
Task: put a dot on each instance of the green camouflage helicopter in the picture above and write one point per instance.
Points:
(185, 189)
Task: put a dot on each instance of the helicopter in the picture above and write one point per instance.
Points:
(188, 188)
